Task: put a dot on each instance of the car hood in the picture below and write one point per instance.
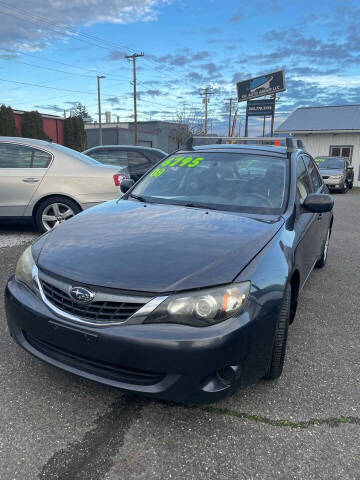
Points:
(331, 171)
(153, 248)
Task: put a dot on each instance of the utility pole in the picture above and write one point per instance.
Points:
(273, 116)
(205, 93)
(230, 116)
(99, 77)
(134, 57)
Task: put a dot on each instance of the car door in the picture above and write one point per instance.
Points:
(306, 224)
(138, 164)
(22, 169)
(318, 187)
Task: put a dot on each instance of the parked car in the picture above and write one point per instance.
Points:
(184, 288)
(137, 160)
(337, 172)
(47, 183)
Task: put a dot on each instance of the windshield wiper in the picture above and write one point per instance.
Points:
(198, 205)
(139, 198)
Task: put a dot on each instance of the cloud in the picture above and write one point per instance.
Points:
(184, 58)
(115, 55)
(236, 18)
(25, 32)
(53, 108)
(154, 93)
(8, 56)
(113, 100)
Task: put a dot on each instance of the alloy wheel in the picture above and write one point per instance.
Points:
(56, 213)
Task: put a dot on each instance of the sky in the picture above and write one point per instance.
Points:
(52, 51)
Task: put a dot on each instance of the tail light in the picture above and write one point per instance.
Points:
(118, 178)
(277, 143)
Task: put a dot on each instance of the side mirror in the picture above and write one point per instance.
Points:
(351, 167)
(126, 184)
(318, 202)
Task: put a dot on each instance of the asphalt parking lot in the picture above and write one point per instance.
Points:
(304, 426)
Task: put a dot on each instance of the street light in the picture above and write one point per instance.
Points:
(99, 107)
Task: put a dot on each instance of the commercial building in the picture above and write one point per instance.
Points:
(328, 130)
(52, 124)
(156, 134)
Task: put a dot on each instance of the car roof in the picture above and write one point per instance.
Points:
(128, 147)
(28, 141)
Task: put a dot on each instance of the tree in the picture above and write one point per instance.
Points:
(74, 133)
(33, 126)
(7, 122)
(187, 124)
(81, 111)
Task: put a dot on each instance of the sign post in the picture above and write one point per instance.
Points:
(269, 84)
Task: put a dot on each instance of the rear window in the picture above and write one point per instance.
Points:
(109, 156)
(75, 154)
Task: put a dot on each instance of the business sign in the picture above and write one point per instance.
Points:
(261, 86)
(260, 108)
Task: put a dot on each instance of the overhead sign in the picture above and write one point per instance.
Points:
(261, 86)
(260, 108)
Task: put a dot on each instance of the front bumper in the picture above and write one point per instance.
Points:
(334, 183)
(171, 362)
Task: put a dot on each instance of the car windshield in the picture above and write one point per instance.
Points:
(330, 162)
(225, 181)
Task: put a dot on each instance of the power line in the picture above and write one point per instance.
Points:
(56, 88)
(78, 35)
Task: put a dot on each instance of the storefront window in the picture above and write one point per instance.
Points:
(341, 151)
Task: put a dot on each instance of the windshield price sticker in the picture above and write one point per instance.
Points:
(190, 162)
(320, 160)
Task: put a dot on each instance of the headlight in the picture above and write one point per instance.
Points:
(336, 177)
(24, 268)
(202, 308)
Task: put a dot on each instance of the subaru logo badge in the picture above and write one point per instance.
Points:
(81, 294)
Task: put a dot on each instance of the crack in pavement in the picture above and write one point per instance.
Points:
(91, 457)
(331, 421)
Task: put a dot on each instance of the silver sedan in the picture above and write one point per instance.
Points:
(47, 183)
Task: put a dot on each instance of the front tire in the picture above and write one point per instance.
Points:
(280, 340)
(345, 187)
(53, 211)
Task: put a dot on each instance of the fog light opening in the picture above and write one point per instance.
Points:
(226, 375)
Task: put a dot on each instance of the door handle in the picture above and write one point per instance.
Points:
(31, 180)
(320, 216)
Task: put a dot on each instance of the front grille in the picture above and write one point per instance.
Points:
(325, 177)
(96, 367)
(96, 311)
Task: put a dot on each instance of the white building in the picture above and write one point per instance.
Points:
(332, 130)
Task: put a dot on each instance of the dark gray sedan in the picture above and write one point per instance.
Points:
(137, 159)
